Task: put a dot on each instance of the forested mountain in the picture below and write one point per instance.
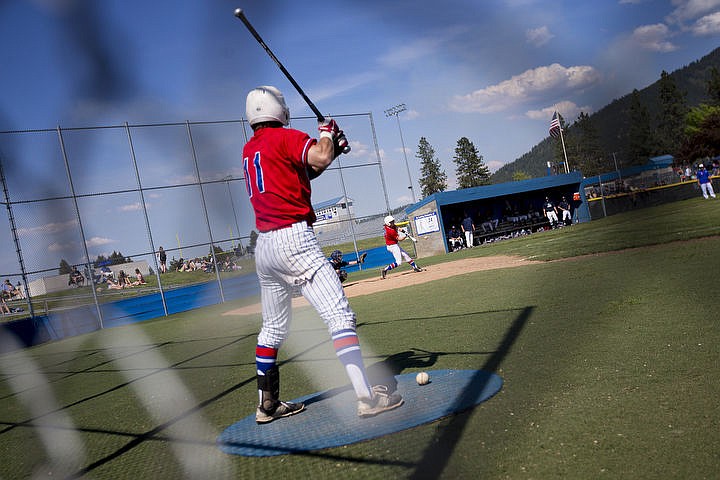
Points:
(612, 123)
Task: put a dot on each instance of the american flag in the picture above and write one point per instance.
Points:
(555, 126)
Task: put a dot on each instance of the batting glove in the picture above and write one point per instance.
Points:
(329, 129)
(341, 144)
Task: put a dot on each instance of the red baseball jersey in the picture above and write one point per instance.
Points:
(276, 178)
(391, 235)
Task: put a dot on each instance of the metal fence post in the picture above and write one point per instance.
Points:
(204, 204)
(147, 220)
(79, 219)
(16, 240)
(377, 154)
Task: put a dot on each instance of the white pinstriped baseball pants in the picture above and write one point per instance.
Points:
(398, 254)
(288, 259)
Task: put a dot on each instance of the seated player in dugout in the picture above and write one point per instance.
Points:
(336, 260)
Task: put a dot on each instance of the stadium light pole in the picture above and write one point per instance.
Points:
(395, 112)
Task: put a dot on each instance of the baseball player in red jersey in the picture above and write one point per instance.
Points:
(392, 238)
(279, 163)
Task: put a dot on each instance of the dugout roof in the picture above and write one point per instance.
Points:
(467, 195)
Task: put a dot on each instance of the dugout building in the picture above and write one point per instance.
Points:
(510, 208)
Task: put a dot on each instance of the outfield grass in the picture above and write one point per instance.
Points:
(609, 361)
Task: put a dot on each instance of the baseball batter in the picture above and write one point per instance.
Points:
(393, 237)
(279, 163)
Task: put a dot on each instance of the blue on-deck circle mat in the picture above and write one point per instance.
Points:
(330, 418)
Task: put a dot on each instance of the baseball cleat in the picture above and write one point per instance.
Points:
(283, 409)
(382, 401)
(383, 272)
(417, 269)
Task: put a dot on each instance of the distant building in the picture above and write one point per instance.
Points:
(334, 210)
(333, 214)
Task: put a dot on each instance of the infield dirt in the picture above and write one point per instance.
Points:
(405, 278)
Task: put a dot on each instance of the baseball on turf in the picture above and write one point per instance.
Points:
(422, 378)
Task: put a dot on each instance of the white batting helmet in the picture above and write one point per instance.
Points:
(389, 219)
(266, 104)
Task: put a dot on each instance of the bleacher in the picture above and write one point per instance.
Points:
(511, 227)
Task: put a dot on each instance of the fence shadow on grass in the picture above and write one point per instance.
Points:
(439, 450)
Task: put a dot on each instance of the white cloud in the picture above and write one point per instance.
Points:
(494, 165)
(427, 46)
(97, 241)
(341, 85)
(538, 36)
(411, 115)
(60, 247)
(528, 85)
(707, 25)
(690, 9)
(358, 149)
(53, 227)
(569, 110)
(69, 246)
(634, 2)
(131, 207)
(653, 37)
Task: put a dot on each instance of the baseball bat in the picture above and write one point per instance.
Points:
(414, 240)
(241, 15)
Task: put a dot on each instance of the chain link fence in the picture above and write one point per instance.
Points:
(111, 196)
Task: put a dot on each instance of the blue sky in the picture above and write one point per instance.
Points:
(492, 71)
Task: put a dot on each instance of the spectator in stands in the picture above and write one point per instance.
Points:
(468, 228)
(106, 274)
(4, 306)
(9, 291)
(550, 212)
(207, 265)
(715, 167)
(564, 207)
(140, 279)
(76, 278)
(123, 279)
(703, 179)
(455, 241)
(20, 291)
(162, 256)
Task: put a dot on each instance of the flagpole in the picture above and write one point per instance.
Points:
(562, 140)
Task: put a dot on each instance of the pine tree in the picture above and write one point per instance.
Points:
(520, 175)
(64, 267)
(587, 145)
(641, 138)
(433, 178)
(702, 134)
(117, 258)
(253, 241)
(471, 170)
(671, 118)
(713, 86)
